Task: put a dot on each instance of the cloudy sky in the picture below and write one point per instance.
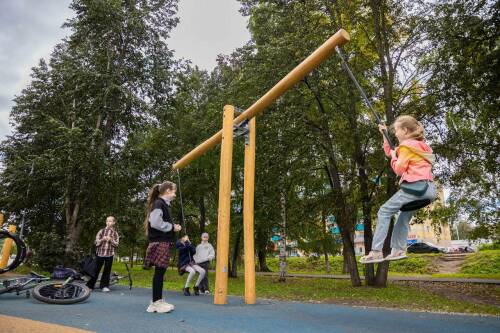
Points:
(29, 29)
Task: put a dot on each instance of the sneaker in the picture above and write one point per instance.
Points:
(160, 306)
(396, 255)
(207, 292)
(196, 291)
(372, 258)
(186, 291)
(105, 290)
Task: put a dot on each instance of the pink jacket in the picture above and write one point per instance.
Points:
(414, 161)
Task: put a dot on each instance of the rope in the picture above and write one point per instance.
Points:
(183, 224)
(363, 95)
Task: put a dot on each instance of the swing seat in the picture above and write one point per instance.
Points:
(414, 205)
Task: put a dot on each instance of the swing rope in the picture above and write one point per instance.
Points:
(183, 223)
(363, 95)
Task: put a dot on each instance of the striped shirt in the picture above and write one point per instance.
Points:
(106, 248)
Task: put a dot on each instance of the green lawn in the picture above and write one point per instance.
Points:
(482, 262)
(328, 291)
(415, 264)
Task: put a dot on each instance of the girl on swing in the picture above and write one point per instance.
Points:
(186, 264)
(412, 160)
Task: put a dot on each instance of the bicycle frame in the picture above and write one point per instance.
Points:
(15, 284)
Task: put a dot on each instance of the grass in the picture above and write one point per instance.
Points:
(415, 264)
(495, 276)
(327, 291)
(483, 262)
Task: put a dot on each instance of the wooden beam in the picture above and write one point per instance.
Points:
(298, 73)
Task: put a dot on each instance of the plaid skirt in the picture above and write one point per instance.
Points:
(158, 254)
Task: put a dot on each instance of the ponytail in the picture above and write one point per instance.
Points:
(153, 195)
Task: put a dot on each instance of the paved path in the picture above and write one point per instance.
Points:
(123, 311)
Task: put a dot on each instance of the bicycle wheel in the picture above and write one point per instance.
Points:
(16, 254)
(55, 292)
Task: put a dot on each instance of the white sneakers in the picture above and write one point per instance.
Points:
(376, 256)
(160, 306)
(105, 290)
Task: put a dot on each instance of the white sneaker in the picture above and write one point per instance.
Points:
(105, 290)
(396, 255)
(160, 306)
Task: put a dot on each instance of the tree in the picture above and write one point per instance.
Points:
(72, 122)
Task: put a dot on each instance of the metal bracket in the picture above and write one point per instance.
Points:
(241, 129)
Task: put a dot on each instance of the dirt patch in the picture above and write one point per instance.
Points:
(19, 325)
(449, 264)
(488, 294)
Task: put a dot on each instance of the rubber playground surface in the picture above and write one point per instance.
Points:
(124, 311)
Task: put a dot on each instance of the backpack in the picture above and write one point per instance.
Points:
(61, 273)
(89, 266)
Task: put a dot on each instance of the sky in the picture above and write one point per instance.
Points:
(29, 30)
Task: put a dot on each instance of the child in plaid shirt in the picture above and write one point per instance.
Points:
(106, 241)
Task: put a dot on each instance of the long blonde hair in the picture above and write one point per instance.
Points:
(414, 127)
(154, 193)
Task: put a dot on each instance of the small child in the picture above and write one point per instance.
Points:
(187, 264)
(205, 253)
(412, 160)
(106, 241)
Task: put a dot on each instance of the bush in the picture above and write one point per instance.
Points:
(48, 250)
(488, 247)
(484, 262)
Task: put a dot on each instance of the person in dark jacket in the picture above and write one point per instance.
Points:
(161, 237)
(186, 264)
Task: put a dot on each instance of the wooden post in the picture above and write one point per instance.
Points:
(7, 246)
(224, 213)
(248, 214)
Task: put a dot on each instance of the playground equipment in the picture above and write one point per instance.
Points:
(226, 137)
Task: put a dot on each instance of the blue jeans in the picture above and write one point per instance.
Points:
(402, 225)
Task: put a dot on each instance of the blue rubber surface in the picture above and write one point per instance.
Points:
(124, 311)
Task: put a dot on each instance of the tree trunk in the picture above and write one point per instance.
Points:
(233, 270)
(387, 72)
(203, 218)
(325, 251)
(340, 206)
(72, 227)
(261, 254)
(282, 256)
(345, 263)
(350, 258)
(383, 267)
(131, 259)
